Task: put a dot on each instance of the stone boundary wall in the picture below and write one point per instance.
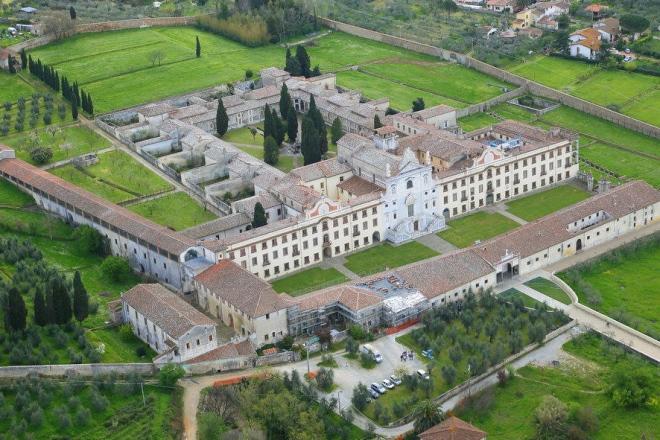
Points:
(533, 87)
(483, 106)
(81, 369)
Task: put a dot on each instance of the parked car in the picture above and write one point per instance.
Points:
(378, 387)
(428, 353)
(387, 384)
(627, 59)
(374, 394)
(395, 380)
(423, 374)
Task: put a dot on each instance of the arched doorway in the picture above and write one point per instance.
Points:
(489, 199)
(416, 225)
(578, 245)
(141, 268)
(445, 214)
(375, 237)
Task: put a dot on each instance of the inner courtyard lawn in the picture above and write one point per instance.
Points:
(284, 163)
(176, 211)
(507, 412)
(513, 294)
(549, 288)
(244, 136)
(385, 256)
(66, 142)
(545, 202)
(308, 280)
(623, 284)
(477, 120)
(482, 225)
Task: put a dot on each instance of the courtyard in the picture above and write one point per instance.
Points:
(308, 280)
(465, 231)
(386, 256)
(545, 202)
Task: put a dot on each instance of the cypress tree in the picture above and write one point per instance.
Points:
(61, 302)
(221, 119)
(279, 130)
(72, 13)
(50, 304)
(291, 123)
(285, 101)
(337, 131)
(30, 64)
(268, 125)
(377, 123)
(40, 313)
(198, 47)
(74, 110)
(303, 59)
(15, 311)
(24, 61)
(80, 298)
(293, 66)
(271, 151)
(259, 218)
(90, 104)
(83, 103)
(310, 147)
(12, 68)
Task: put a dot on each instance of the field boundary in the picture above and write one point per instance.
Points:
(533, 87)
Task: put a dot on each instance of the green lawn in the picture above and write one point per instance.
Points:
(244, 136)
(554, 72)
(623, 284)
(13, 87)
(66, 142)
(514, 294)
(177, 211)
(644, 106)
(11, 196)
(116, 177)
(385, 256)
(482, 225)
(308, 280)
(623, 163)
(508, 412)
(284, 163)
(119, 348)
(477, 120)
(545, 202)
(549, 288)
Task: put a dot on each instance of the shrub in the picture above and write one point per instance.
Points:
(169, 374)
(83, 415)
(141, 351)
(360, 396)
(98, 401)
(116, 268)
(325, 379)
(630, 388)
(90, 240)
(41, 155)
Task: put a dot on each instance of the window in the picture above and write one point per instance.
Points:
(210, 338)
(409, 184)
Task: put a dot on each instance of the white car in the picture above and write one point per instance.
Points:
(387, 384)
(423, 374)
(378, 387)
(395, 380)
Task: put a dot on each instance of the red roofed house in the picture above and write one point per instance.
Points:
(596, 9)
(585, 43)
(501, 5)
(453, 428)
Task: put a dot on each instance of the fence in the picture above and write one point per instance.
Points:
(81, 369)
(532, 87)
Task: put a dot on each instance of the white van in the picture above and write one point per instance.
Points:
(368, 349)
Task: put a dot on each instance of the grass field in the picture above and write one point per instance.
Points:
(549, 288)
(284, 163)
(545, 202)
(385, 256)
(464, 231)
(13, 87)
(624, 285)
(513, 294)
(477, 120)
(623, 163)
(244, 136)
(508, 412)
(66, 142)
(558, 73)
(10, 196)
(116, 177)
(308, 280)
(177, 211)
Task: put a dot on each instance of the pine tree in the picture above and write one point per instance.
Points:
(221, 119)
(337, 131)
(271, 151)
(285, 101)
(40, 313)
(303, 59)
(377, 123)
(310, 147)
(291, 123)
(80, 298)
(74, 111)
(15, 311)
(259, 218)
(198, 47)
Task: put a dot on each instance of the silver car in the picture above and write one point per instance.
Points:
(395, 380)
(387, 384)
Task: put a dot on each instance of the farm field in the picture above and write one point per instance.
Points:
(116, 177)
(582, 381)
(381, 257)
(620, 284)
(308, 280)
(482, 225)
(66, 142)
(545, 202)
(114, 67)
(177, 211)
(623, 163)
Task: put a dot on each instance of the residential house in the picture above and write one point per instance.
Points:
(585, 43)
(596, 10)
(453, 428)
(524, 19)
(609, 29)
(501, 5)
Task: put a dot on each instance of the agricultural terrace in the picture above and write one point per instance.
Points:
(308, 280)
(385, 256)
(623, 284)
(110, 409)
(65, 142)
(248, 407)
(477, 332)
(115, 67)
(625, 153)
(633, 94)
(482, 225)
(542, 203)
(61, 250)
(591, 382)
(116, 177)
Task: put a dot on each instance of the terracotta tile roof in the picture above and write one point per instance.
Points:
(319, 170)
(551, 230)
(609, 25)
(242, 289)
(121, 218)
(501, 2)
(386, 129)
(453, 428)
(357, 186)
(165, 309)
(226, 351)
(218, 225)
(595, 7)
(351, 297)
(436, 110)
(448, 148)
(591, 38)
(263, 93)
